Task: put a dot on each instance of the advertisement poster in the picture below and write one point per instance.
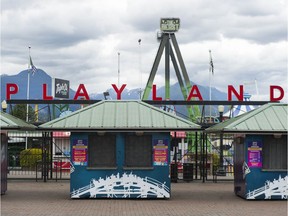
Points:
(255, 154)
(160, 152)
(79, 152)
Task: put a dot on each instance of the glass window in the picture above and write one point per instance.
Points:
(138, 151)
(102, 150)
(275, 152)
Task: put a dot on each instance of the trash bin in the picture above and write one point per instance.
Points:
(188, 171)
(174, 172)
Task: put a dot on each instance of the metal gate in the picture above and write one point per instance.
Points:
(202, 159)
(38, 155)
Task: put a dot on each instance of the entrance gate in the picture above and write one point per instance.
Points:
(51, 159)
(37, 155)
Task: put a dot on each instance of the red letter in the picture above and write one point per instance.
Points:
(154, 96)
(238, 96)
(45, 96)
(197, 94)
(10, 91)
(272, 96)
(118, 92)
(78, 93)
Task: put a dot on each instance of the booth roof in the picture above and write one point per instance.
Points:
(9, 122)
(120, 115)
(269, 118)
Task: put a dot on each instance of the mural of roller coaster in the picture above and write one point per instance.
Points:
(127, 185)
(277, 187)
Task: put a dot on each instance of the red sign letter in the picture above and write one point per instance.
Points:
(118, 92)
(45, 96)
(84, 93)
(154, 95)
(272, 96)
(192, 94)
(10, 91)
(239, 96)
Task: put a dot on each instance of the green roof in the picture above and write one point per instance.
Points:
(120, 115)
(9, 122)
(269, 118)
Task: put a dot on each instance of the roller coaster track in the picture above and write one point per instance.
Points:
(115, 186)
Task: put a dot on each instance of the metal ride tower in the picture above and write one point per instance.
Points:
(168, 27)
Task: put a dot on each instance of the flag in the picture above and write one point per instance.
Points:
(211, 63)
(33, 68)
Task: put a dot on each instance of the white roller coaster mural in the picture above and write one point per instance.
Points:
(278, 187)
(125, 186)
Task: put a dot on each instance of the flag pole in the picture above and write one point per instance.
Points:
(140, 89)
(27, 96)
(28, 86)
(118, 69)
(210, 73)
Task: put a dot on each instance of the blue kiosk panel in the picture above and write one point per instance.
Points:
(120, 165)
(261, 167)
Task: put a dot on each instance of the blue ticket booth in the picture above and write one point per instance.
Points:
(120, 149)
(260, 158)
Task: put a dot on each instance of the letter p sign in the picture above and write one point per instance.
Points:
(11, 88)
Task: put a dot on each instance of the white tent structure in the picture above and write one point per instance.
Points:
(240, 109)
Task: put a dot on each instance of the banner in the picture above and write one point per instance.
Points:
(61, 88)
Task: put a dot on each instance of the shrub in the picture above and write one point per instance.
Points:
(216, 160)
(29, 157)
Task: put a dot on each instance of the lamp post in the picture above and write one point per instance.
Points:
(221, 110)
(4, 105)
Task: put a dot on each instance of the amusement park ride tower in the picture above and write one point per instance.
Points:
(168, 27)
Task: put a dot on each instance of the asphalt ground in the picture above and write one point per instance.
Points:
(25, 197)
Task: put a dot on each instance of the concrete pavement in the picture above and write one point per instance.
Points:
(194, 198)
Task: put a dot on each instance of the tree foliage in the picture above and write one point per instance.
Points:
(20, 111)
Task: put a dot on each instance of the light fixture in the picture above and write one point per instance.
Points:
(4, 105)
(220, 108)
(106, 95)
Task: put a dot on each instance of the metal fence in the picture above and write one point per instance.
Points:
(38, 155)
(199, 158)
(46, 155)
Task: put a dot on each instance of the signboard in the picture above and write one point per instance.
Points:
(169, 24)
(160, 152)
(79, 152)
(61, 88)
(255, 154)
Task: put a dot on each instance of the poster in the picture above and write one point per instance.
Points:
(79, 152)
(255, 154)
(160, 152)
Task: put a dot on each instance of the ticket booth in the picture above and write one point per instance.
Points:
(260, 158)
(261, 166)
(120, 149)
(120, 165)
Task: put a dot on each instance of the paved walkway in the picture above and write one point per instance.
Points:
(194, 198)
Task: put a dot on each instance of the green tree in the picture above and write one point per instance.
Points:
(19, 111)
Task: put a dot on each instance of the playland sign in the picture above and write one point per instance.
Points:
(276, 92)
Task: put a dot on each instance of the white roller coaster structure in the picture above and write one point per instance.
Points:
(278, 187)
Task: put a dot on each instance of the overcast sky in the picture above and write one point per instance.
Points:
(80, 41)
